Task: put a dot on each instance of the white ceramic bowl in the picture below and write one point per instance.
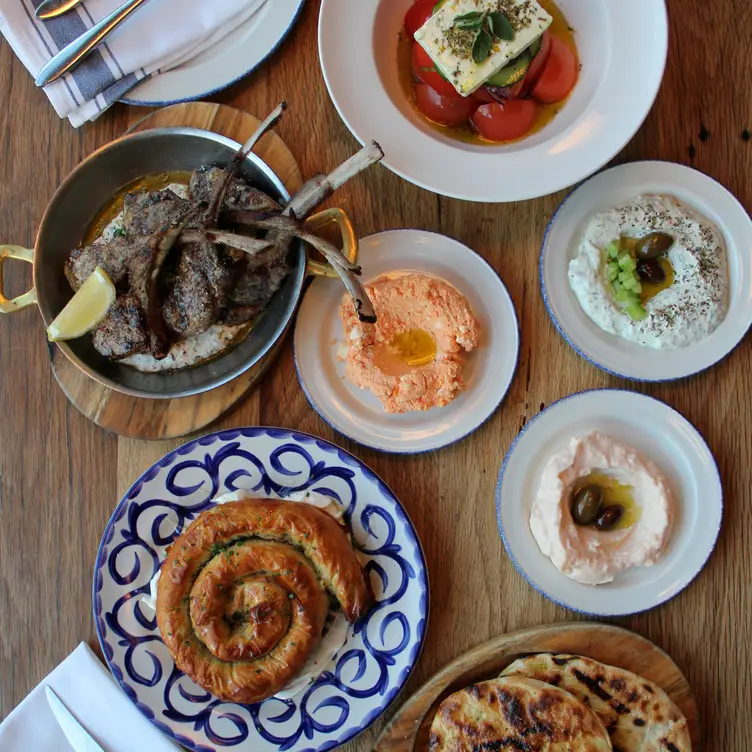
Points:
(658, 432)
(617, 87)
(613, 354)
(488, 372)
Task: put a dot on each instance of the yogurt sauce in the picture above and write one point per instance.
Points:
(190, 350)
(335, 630)
(682, 314)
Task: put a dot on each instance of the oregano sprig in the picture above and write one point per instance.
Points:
(488, 27)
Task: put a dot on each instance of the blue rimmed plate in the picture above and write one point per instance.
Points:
(488, 371)
(615, 187)
(658, 432)
(242, 51)
(369, 670)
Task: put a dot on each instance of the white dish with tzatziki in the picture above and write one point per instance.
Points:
(646, 271)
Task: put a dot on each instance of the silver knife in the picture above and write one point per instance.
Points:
(72, 55)
(78, 737)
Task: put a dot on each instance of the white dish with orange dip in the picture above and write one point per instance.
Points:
(568, 133)
(438, 383)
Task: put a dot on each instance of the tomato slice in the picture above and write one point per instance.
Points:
(482, 95)
(496, 122)
(444, 109)
(534, 71)
(419, 13)
(425, 71)
(559, 74)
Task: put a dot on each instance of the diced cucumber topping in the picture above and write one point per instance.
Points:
(613, 249)
(625, 296)
(612, 271)
(636, 312)
(625, 277)
(637, 288)
(617, 286)
(626, 262)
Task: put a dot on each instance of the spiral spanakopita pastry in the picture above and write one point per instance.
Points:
(244, 594)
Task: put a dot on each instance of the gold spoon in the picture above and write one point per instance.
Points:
(54, 8)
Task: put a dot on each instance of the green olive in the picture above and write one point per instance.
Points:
(609, 517)
(586, 504)
(653, 245)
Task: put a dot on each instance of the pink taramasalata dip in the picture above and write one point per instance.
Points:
(584, 553)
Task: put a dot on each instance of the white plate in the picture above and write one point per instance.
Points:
(369, 670)
(239, 53)
(614, 354)
(488, 372)
(658, 432)
(617, 88)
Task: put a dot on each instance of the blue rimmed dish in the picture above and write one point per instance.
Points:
(616, 187)
(240, 53)
(367, 673)
(488, 372)
(658, 432)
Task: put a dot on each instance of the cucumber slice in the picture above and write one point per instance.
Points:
(625, 296)
(535, 47)
(637, 288)
(512, 72)
(612, 271)
(613, 249)
(636, 312)
(625, 262)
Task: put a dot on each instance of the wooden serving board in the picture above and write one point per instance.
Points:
(409, 729)
(150, 419)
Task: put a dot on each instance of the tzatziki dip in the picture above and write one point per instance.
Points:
(652, 271)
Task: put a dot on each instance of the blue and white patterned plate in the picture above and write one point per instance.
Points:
(369, 670)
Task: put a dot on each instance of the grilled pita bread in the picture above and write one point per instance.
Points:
(516, 714)
(638, 715)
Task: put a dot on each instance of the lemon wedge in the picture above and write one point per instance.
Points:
(85, 309)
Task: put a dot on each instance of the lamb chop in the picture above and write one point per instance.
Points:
(199, 293)
(135, 324)
(112, 256)
(239, 195)
(147, 212)
(123, 331)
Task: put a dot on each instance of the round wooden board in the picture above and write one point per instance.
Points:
(169, 419)
(409, 729)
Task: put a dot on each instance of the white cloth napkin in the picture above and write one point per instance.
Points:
(160, 35)
(86, 688)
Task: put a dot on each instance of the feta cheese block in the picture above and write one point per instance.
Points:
(451, 48)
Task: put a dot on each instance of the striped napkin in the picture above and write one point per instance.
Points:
(160, 35)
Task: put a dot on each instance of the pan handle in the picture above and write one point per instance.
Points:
(349, 239)
(28, 298)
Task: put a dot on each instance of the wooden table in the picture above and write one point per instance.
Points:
(61, 476)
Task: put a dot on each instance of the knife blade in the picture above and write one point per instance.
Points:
(78, 737)
(54, 8)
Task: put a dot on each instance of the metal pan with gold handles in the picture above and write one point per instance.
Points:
(79, 199)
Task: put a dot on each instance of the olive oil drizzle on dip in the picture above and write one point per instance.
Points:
(614, 494)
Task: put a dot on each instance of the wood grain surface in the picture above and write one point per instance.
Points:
(409, 729)
(146, 419)
(61, 476)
